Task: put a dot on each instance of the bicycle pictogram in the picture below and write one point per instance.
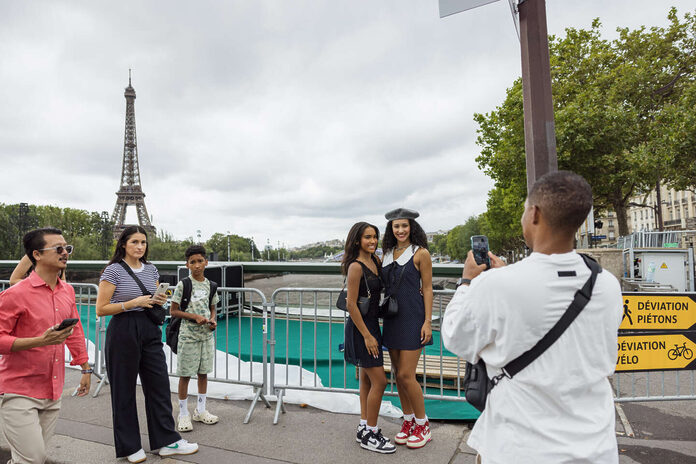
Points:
(678, 351)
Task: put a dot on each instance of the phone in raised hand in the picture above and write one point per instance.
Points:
(479, 245)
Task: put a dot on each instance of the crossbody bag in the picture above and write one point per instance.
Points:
(156, 313)
(476, 383)
(363, 301)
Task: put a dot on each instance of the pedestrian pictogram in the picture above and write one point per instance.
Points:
(656, 352)
(626, 313)
(658, 311)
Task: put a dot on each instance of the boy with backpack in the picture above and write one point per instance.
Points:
(194, 302)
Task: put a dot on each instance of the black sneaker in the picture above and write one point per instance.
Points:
(375, 441)
(361, 432)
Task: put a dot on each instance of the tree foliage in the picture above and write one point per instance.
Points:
(459, 238)
(623, 113)
(89, 232)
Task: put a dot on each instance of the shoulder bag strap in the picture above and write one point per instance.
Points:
(135, 278)
(582, 297)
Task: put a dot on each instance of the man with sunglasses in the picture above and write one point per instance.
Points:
(32, 371)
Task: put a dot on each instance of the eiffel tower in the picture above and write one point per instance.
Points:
(130, 192)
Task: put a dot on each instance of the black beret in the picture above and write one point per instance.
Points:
(401, 213)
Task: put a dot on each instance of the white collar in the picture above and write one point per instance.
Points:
(403, 259)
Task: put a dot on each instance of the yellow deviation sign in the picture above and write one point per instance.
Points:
(656, 352)
(664, 266)
(658, 311)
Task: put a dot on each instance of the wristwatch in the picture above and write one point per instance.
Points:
(87, 371)
(463, 281)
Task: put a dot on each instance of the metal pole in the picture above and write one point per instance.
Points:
(660, 223)
(539, 127)
(228, 245)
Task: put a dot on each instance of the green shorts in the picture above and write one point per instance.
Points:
(194, 357)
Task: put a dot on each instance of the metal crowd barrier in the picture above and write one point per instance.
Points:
(86, 299)
(317, 306)
(654, 386)
(243, 312)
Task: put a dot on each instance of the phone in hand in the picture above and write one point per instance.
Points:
(161, 289)
(479, 245)
(67, 323)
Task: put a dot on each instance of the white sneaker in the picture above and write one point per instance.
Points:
(179, 447)
(138, 456)
(205, 417)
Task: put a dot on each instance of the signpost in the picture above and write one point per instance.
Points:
(659, 311)
(539, 126)
(656, 352)
(657, 332)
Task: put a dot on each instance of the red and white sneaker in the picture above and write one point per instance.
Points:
(420, 437)
(406, 430)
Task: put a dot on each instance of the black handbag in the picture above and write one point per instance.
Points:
(363, 301)
(156, 313)
(476, 383)
(389, 306)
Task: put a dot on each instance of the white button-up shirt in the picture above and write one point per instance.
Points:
(560, 408)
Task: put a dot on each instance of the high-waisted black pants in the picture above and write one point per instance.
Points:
(134, 346)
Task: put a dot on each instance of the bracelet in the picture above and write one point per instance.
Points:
(87, 371)
(463, 281)
(123, 307)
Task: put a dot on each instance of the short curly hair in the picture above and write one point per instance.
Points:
(564, 198)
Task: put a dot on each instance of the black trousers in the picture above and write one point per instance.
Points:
(134, 346)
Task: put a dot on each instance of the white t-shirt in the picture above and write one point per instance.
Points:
(560, 408)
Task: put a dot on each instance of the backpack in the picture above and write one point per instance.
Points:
(172, 332)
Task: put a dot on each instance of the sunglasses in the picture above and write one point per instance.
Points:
(60, 249)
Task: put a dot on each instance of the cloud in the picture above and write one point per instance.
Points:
(286, 121)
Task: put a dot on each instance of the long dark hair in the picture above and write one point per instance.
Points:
(352, 249)
(120, 251)
(416, 237)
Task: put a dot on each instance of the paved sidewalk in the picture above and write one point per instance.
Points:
(664, 434)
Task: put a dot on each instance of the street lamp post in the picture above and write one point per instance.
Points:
(228, 245)
(252, 249)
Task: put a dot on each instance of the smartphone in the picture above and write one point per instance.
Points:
(479, 245)
(67, 323)
(161, 289)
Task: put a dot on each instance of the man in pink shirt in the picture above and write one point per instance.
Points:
(32, 371)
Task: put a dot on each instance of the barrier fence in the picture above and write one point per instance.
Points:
(309, 315)
(294, 342)
(242, 313)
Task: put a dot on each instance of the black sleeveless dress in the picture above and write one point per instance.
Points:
(403, 332)
(355, 351)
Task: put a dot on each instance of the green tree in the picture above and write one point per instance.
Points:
(459, 238)
(616, 109)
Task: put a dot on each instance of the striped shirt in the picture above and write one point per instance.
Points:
(126, 288)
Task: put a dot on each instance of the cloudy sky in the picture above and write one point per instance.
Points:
(283, 120)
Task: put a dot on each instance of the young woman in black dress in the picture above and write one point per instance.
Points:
(408, 275)
(363, 339)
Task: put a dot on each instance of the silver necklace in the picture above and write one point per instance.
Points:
(402, 248)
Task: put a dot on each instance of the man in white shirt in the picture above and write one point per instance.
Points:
(559, 409)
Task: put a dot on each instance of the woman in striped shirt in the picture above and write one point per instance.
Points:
(134, 347)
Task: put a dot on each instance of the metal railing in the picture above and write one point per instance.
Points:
(654, 386)
(313, 310)
(653, 239)
(252, 325)
(243, 312)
